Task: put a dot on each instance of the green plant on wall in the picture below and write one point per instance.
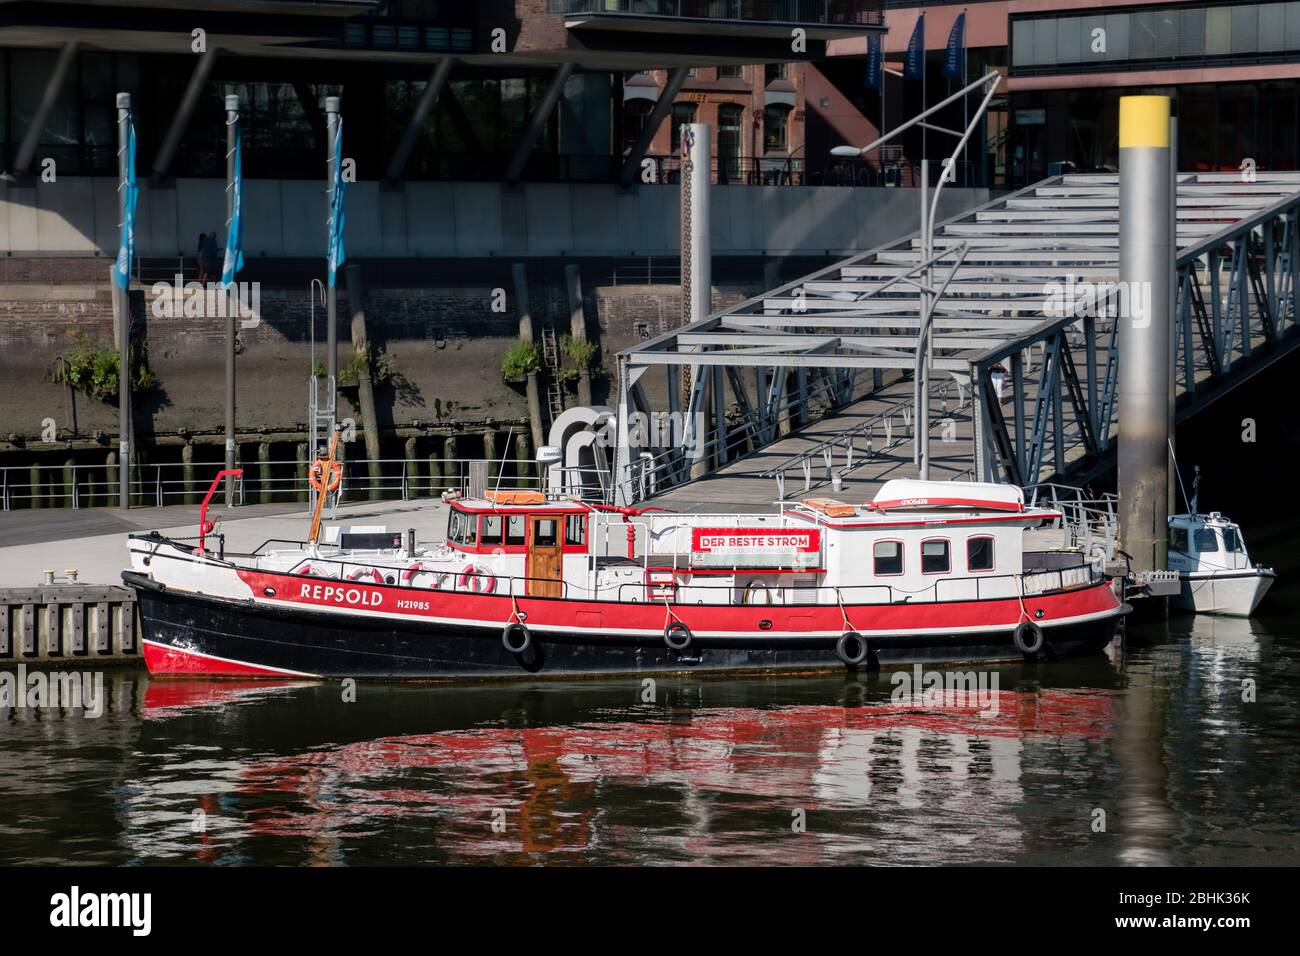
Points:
(91, 367)
(521, 360)
(382, 370)
(581, 352)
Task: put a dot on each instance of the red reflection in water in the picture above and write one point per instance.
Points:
(546, 779)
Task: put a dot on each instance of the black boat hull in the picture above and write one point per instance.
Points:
(208, 636)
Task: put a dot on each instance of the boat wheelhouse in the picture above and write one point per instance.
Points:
(524, 584)
(1215, 572)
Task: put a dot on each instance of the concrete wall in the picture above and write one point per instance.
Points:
(78, 216)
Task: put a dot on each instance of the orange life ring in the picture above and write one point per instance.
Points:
(316, 475)
(473, 579)
(358, 573)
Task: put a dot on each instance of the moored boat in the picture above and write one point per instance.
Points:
(525, 585)
(1215, 573)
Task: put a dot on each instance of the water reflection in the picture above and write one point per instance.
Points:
(1157, 735)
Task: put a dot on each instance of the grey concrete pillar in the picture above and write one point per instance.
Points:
(578, 328)
(1145, 260)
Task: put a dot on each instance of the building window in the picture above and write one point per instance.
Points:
(729, 142)
(776, 118)
(979, 553)
(775, 71)
(731, 72)
(635, 114)
(887, 558)
(682, 113)
(934, 556)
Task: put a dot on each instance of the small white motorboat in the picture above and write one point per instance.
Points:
(1214, 569)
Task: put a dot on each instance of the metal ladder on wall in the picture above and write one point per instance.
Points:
(551, 359)
(321, 420)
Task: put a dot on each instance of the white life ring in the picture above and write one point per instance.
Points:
(358, 573)
(472, 578)
(756, 592)
(417, 569)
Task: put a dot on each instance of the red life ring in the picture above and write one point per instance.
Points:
(473, 579)
(359, 573)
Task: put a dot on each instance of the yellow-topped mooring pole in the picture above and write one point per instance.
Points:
(1146, 261)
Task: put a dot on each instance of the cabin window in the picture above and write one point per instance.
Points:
(462, 529)
(887, 557)
(979, 553)
(545, 533)
(492, 527)
(1230, 540)
(575, 530)
(934, 556)
(516, 530)
(1207, 542)
(1178, 539)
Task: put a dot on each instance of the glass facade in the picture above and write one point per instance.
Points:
(1219, 125)
(1187, 35)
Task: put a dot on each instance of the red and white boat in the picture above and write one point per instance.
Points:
(526, 585)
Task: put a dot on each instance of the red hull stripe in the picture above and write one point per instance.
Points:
(164, 659)
(606, 617)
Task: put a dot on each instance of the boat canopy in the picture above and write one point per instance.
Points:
(901, 493)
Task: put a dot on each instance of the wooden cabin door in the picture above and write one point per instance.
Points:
(545, 565)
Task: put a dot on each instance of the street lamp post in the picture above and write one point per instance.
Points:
(929, 210)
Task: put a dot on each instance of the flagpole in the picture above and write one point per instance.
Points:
(121, 290)
(232, 311)
(331, 313)
(924, 95)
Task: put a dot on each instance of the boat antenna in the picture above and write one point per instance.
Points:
(1183, 488)
(501, 472)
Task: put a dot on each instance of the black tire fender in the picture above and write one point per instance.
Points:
(1028, 638)
(672, 638)
(852, 648)
(515, 638)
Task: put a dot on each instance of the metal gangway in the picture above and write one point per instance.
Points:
(1026, 327)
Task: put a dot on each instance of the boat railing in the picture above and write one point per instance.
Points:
(265, 481)
(1088, 524)
(844, 444)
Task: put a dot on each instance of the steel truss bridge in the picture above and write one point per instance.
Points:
(1024, 331)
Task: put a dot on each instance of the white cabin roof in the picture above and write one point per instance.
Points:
(968, 495)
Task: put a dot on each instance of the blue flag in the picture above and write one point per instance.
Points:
(130, 193)
(954, 60)
(875, 71)
(914, 64)
(336, 254)
(235, 229)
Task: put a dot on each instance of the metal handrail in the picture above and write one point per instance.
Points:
(165, 483)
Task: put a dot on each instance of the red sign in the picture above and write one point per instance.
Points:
(755, 540)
